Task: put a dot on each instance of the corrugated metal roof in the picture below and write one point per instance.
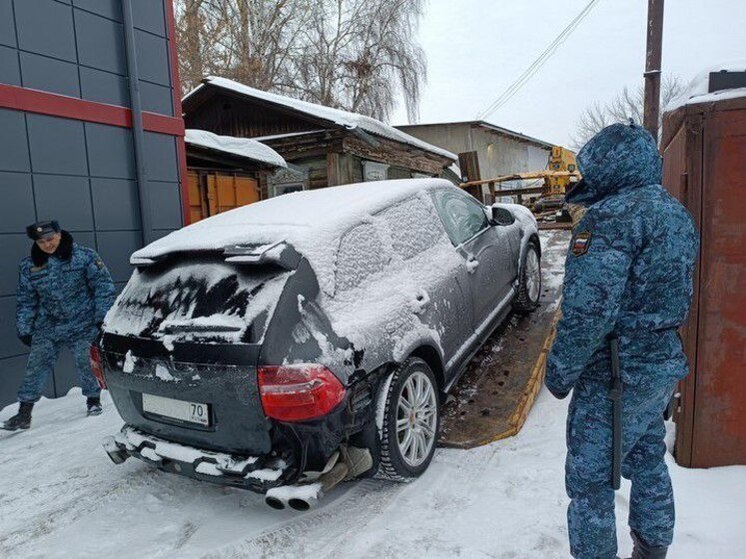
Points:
(484, 124)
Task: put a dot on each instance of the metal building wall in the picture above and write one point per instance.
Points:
(66, 141)
(703, 166)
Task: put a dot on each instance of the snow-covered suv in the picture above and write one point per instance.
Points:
(309, 338)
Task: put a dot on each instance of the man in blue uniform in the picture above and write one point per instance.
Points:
(64, 291)
(628, 277)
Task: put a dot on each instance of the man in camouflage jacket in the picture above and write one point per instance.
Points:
(628, 274)
(64, 291)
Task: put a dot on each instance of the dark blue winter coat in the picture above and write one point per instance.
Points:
(63, 296)
(629, 268)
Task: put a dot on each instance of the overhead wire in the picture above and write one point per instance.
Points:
(548, 52)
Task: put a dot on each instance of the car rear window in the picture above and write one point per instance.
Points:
(197, 299)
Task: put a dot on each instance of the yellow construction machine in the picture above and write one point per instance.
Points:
(561, 171)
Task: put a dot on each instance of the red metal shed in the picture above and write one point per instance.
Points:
(704, 147)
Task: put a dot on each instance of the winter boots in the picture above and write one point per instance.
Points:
(21, 420)
(645, 551)
(94, 406)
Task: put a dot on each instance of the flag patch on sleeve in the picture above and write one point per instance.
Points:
(581, 243)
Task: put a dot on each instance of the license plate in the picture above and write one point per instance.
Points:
(191, 412)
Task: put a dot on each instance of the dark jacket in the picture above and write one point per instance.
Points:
(65, 295)
(629, 268)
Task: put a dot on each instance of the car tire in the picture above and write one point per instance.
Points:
(406, 452)
(529, 284)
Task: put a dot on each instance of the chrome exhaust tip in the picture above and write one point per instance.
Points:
(275, 502)
(300, 505)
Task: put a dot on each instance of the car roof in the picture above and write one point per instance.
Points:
(311, 221)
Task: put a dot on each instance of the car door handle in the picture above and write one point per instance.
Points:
(472, 264)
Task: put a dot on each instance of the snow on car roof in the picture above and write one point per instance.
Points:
(337, 116)
(243, 147)
(311, 221)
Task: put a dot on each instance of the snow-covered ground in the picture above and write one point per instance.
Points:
(60, 496)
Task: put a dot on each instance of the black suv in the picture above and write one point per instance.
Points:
(290, 344)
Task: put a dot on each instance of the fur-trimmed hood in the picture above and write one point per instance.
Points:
(64, 250)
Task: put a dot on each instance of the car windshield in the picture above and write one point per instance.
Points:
(200, 299)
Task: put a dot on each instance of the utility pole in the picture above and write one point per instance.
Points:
(653, 66)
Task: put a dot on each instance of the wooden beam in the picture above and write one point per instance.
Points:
(514, 191)
(333, 172)
(396, 154)
(468, 162)
(522, 176)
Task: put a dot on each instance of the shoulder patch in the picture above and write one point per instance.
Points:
(100, 264)
(580, 243)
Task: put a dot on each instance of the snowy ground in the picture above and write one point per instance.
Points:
(60, 496)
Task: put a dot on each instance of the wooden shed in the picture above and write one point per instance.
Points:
(225, 172)
(704, 146)
(323, 146)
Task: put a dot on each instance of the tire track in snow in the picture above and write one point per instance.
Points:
(73, 500)
(359, 506)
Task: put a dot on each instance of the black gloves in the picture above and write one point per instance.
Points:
(25, 340)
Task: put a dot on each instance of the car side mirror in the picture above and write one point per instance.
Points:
(501, 216)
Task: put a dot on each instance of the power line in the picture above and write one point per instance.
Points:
(527, 74)
(536, 65)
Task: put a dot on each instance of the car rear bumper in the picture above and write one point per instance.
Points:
(256, 473)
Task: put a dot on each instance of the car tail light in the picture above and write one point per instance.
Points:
(97, 366)
(299, 392)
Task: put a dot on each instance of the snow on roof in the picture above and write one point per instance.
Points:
(288, 135)
(243, 147)
(312, 221)
(337, 116)
(721, 95)
(698, 90)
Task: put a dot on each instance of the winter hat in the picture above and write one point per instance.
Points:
(42, 229)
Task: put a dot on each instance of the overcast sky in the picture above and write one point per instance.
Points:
(477, 48)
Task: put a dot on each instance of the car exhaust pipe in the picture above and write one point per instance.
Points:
(274, 502)
(303, 496)
(348, 463)
(115, 454)
(309, 495)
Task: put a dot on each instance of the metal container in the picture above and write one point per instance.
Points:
(704, 147)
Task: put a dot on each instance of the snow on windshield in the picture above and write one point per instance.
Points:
(203, 300)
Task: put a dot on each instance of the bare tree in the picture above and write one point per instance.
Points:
(358, 55)
(200, 35)
(624, 106)
(361, 54)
